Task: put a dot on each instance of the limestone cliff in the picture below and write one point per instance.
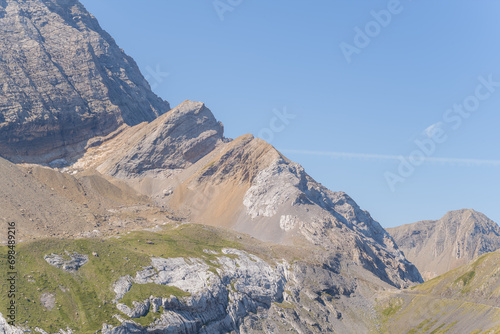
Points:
(63, 80)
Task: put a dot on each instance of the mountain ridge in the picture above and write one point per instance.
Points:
(437, 246)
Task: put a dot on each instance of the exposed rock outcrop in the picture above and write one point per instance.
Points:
(174, 141)
(285, 195)
(249, 186)
(72, 264)
(78, 85)
(182, 160)
(253, 288)
(220, 299)
(64, 81)
(437, 246)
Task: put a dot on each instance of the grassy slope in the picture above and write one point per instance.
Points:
(464, 300)
(83, 299)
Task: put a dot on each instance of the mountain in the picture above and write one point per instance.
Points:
(464, 300)
(436, 247)
(64, 81)
(133, 218)
(320, 257)
(184, 163)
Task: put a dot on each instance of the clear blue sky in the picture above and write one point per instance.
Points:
(286, 54)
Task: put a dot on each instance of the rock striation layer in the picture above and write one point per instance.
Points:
(174, 141)
(219, 300)
(64, 80)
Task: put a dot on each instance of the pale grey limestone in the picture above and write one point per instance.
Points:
(63, 80)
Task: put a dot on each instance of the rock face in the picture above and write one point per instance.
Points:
(174, 141)
(250, 187)
(72, 264)
(218, 302)
(436, 247)
(284, 195)
(182, 160)
(204, 288)
(71, 95)
(64, 81)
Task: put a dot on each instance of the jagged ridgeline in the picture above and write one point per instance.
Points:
(155, 222)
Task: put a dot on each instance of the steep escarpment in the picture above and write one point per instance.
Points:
(69, 87)
(436, 247)
(64, 81)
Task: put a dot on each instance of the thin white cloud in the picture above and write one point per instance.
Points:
(383, 157)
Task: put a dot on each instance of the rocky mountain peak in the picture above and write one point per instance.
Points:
(436, 246)
(64, 81)
(173, 141)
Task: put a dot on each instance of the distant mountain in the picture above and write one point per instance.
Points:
(436, 247)
(63, 81)
(464, 300)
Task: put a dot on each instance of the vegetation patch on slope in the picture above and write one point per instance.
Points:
(464, 299)
(83, 299)
(465, 279)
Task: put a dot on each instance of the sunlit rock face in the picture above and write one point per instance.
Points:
(63, 80)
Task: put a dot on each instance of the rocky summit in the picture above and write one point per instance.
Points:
(63, 81)
(437, 246)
